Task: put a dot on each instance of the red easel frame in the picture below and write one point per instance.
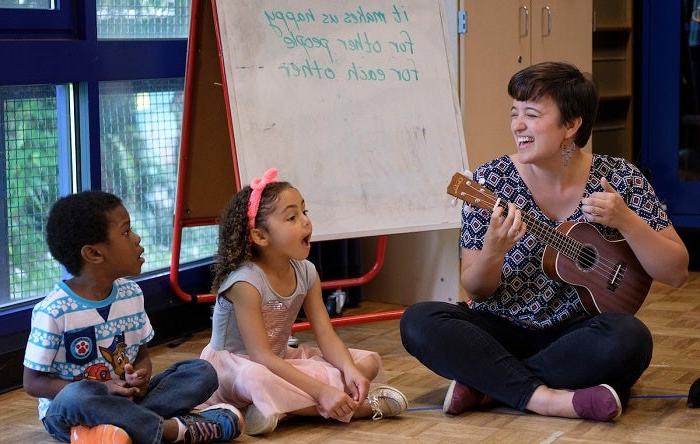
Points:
(180, 221)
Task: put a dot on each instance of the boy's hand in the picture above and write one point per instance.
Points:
(138, 379)
(121, 388)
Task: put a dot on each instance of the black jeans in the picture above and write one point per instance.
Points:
(507, 362)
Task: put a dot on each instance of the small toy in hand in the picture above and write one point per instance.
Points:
(694, 395)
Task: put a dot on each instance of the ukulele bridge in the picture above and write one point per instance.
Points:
(617, 275)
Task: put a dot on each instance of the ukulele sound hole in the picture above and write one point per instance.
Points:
(587, 257)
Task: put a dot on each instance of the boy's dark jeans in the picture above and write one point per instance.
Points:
(173, 392)
(507, 362)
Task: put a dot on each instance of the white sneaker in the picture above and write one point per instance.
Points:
(258, 424)
(386, 402)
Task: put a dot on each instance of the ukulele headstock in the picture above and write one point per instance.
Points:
(463, 187)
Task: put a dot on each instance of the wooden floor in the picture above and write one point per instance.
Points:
(657, 412)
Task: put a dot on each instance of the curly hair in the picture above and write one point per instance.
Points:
(75, 221)
(235, 246)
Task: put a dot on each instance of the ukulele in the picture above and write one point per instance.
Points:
(606, 274)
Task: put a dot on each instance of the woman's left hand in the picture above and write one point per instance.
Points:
(356, 383)
(607, 208)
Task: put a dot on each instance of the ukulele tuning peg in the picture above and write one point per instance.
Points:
(482, 181)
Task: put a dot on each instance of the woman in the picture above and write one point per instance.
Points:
(524, 339)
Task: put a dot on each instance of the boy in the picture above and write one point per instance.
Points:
(86, 356)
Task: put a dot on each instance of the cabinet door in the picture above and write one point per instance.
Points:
(561, 32)
(495, 46)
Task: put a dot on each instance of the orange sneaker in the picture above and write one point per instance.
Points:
(101, 434)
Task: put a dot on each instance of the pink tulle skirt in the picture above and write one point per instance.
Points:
(242, 381)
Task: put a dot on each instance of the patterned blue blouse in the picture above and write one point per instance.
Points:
(526, 296)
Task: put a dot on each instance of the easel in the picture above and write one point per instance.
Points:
(205, 183)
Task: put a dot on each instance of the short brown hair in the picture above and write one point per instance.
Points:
(573, 91)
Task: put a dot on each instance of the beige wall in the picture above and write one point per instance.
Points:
(418, 267)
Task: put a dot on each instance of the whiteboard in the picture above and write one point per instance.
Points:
(352, 102)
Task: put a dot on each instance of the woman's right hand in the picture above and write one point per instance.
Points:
(504, 232)
(334, 403)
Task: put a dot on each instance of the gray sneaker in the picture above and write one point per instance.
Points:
(386, 402)
(258, 424)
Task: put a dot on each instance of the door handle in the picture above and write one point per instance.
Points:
(524, 15)
(548, 31)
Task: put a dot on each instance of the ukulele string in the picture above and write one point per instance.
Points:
(566, 245)
(561, 242)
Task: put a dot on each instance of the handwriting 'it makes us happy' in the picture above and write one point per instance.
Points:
(356, 55)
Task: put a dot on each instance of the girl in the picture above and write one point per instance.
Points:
(262, 279)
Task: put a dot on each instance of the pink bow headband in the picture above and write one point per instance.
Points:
(258, 184)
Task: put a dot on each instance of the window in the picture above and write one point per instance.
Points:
(79, 124)
(139, 135)
(138, 19)
(36, 169)
(27, 4)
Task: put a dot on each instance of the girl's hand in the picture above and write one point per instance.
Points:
(504, 232)
(333, 403)
(356, 384)
(121, 388)
(607, 208)
(138, 379)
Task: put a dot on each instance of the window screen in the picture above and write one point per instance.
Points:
(27, 4)
(140, 134)
(31, 146)
(143, 19)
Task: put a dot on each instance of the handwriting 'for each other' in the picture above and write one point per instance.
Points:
(310, 69)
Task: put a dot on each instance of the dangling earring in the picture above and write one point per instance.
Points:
(567, 151)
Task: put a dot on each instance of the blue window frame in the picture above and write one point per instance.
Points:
(25, 23)
(61, 47)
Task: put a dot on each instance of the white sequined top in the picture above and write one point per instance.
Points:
(278, 312)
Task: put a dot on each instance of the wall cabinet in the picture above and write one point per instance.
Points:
(502, 37)
(613, 72)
